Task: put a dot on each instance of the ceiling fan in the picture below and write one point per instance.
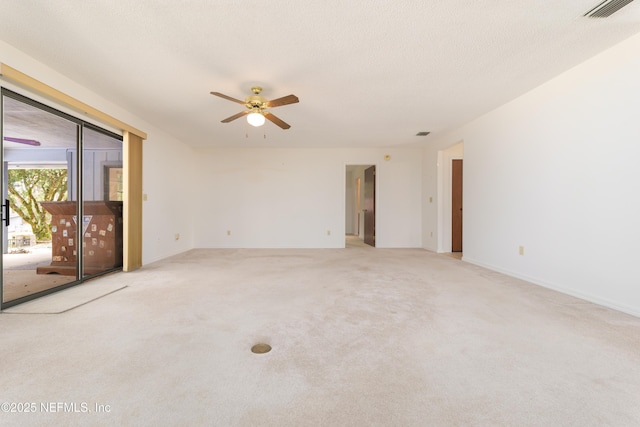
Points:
(257, 106)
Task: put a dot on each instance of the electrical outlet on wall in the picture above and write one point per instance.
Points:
(521, 250)
(177, 236)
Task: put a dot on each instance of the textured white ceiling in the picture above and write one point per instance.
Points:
(367, 72)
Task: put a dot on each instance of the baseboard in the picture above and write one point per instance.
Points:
(634, 311)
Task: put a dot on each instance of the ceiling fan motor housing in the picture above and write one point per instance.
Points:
(255, 101)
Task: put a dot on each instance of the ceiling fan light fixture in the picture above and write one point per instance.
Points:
(255, 119)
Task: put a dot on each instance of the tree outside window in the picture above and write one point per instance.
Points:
(29, 187)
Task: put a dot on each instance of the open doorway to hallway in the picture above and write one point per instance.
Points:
(360, 203)
(450, 222)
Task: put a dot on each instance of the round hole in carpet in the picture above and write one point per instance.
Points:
(261, 348)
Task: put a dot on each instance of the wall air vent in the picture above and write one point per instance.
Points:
(607, 8)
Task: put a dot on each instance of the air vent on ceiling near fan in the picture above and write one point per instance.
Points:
(607, 8)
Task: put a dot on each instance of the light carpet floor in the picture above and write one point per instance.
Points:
(360, 337)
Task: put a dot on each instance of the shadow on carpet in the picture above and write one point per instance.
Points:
(67, 299)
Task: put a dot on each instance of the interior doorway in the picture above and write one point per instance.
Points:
(450, 224)
(62, 202)
(360, 203)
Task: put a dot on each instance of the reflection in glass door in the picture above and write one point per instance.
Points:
(102, 205)
(52, 230)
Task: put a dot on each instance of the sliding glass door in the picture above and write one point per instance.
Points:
(102, 202)
(59, 226)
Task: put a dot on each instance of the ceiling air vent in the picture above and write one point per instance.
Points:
(607, 8)
(422, 133)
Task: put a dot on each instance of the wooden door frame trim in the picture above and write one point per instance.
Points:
(132, 156)
(132, 206)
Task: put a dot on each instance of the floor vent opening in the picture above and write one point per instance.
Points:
(261, 348)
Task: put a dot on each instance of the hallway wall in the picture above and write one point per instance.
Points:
(555, 171)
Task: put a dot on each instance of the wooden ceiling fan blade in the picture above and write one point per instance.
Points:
(276, 120)
(285, 100)
(222, 95)
(235, 116)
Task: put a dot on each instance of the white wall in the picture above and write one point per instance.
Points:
(168, 183)
(291, 197)
(168, 164)
(556, 171)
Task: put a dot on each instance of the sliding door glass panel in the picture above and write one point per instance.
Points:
(39, 236)
(102, 201)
